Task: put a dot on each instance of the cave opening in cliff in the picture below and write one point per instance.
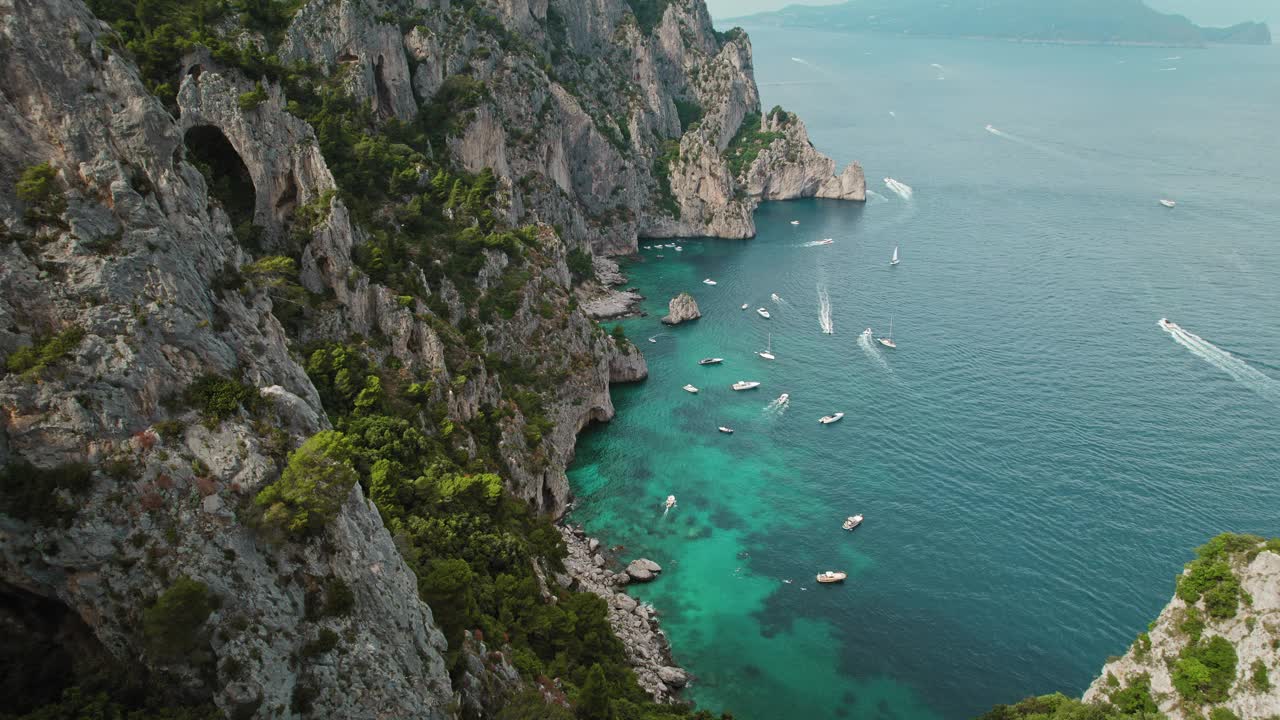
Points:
(385, 108)
(228, 177)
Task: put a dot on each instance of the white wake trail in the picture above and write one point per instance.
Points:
(1238, 369)
(778, 407)
(868, 346)
(901, 189)
(824, 312)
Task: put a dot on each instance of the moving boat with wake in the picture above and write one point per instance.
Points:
(1169, 326)
(745, 385)
(708, 281)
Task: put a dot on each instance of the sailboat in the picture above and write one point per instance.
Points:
(895, 259)
(888, 341)
(767, 353)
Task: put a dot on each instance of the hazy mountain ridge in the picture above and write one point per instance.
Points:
(1089, 21)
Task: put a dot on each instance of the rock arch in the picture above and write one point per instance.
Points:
(229, 179)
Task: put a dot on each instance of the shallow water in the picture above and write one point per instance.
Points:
(1038, 458)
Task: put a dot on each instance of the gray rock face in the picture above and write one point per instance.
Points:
(643, 570)
(682, 308)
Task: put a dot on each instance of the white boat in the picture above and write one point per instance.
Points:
(852, 522)
(691, 389)
(708, 281)
(671, 502)
(648, 247)
(867, 334)
(1166, 325)
(653, 339)
(679, 249)
(745, 385)
(767, 353)
(831, 576)
(826, 241)
(763, 313)
(784, 397)
(710, 361)
(659, 255)
(895, 259)
(888, 341)
(833, 418)
(774, 297)
(1168, 203)
(795, 222)
(726, 430)
(745, 306)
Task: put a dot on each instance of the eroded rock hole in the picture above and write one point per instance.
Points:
(228, 177)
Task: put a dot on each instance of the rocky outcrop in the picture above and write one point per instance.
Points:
(643, 570)
(682, 308)
(789, 167)
(635, 623)
(1247, 619)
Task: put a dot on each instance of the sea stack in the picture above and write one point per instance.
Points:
(682, 308)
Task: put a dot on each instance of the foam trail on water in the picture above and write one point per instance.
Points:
(868, 346)
(814, 243)
(1238, 369)
(1168, 69)
(824, 312)
(778, 407)
(902, 189)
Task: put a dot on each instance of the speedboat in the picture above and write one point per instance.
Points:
(1168, 203)
(763, 313)
(1166, 325)
(852, 522)
(833, 418)
(867, 334)
(745, 306)
(653, 339)
(710, 361)
(784, 397)
(726, 430)
(679, 249)
(691, 389)
(774, 297)
(826, 241)
(831, 576)
(671, 502)
(795, 222)
(746, 385)
(708, 281)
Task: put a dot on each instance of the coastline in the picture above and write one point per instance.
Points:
(590, 568)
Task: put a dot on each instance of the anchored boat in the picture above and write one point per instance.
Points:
(852, 522)
(831, 576)
(763, 313)
(833, 418)
(726, 430)
(745, 385)
(710, 361)
(691, 389)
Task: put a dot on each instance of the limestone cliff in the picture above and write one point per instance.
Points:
(1214, 647)
(190, 231)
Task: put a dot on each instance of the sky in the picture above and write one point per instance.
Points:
(1204, 12)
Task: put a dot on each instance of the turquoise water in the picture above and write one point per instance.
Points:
(1037, 459)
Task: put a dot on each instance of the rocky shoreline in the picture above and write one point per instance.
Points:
(590, 569)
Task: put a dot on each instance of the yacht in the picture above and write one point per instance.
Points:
(745, 385)
(708, 281)
(726, 430)
(888, 341)
(831, 576)
(691, 389)
(710, 361)
(763, 313)
(767, 353)
(833, 418)
(895, 259)
(852, 522)
(1168, 203)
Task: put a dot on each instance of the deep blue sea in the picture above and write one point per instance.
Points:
(1037, 459)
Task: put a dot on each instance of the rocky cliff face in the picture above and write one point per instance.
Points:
(134, 306)
(1214, 647)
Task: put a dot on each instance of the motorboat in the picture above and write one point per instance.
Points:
(691, 389)
(1166, 325)
(1168, 203)
(710, 361)
(745, 385)
(832, 418)
(826, 241)
(831, 576)
(745, 306)
(671, 502)
(852, 522)
(763, 313)
(708, 281)
(868, 334)
(679, 249)
(795, 222)
(774, 297)
(653, 339)
(726, 430)
(784, 397)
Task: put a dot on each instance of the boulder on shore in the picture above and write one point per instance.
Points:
(682, 308)
(643, 570)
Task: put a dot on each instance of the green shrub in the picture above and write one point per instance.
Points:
(580, 265)
(1135, 699)
(313, 487)
(1221, 713)
(593, 699)
(218, 398)
(38, 188)
(1258, 677)
(1205, 671)
(31, 361)
(670, 152)
(37, 494)
(173, 625)
(325, 641)
(250, 101)
(748, 143)
(1192, 624)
